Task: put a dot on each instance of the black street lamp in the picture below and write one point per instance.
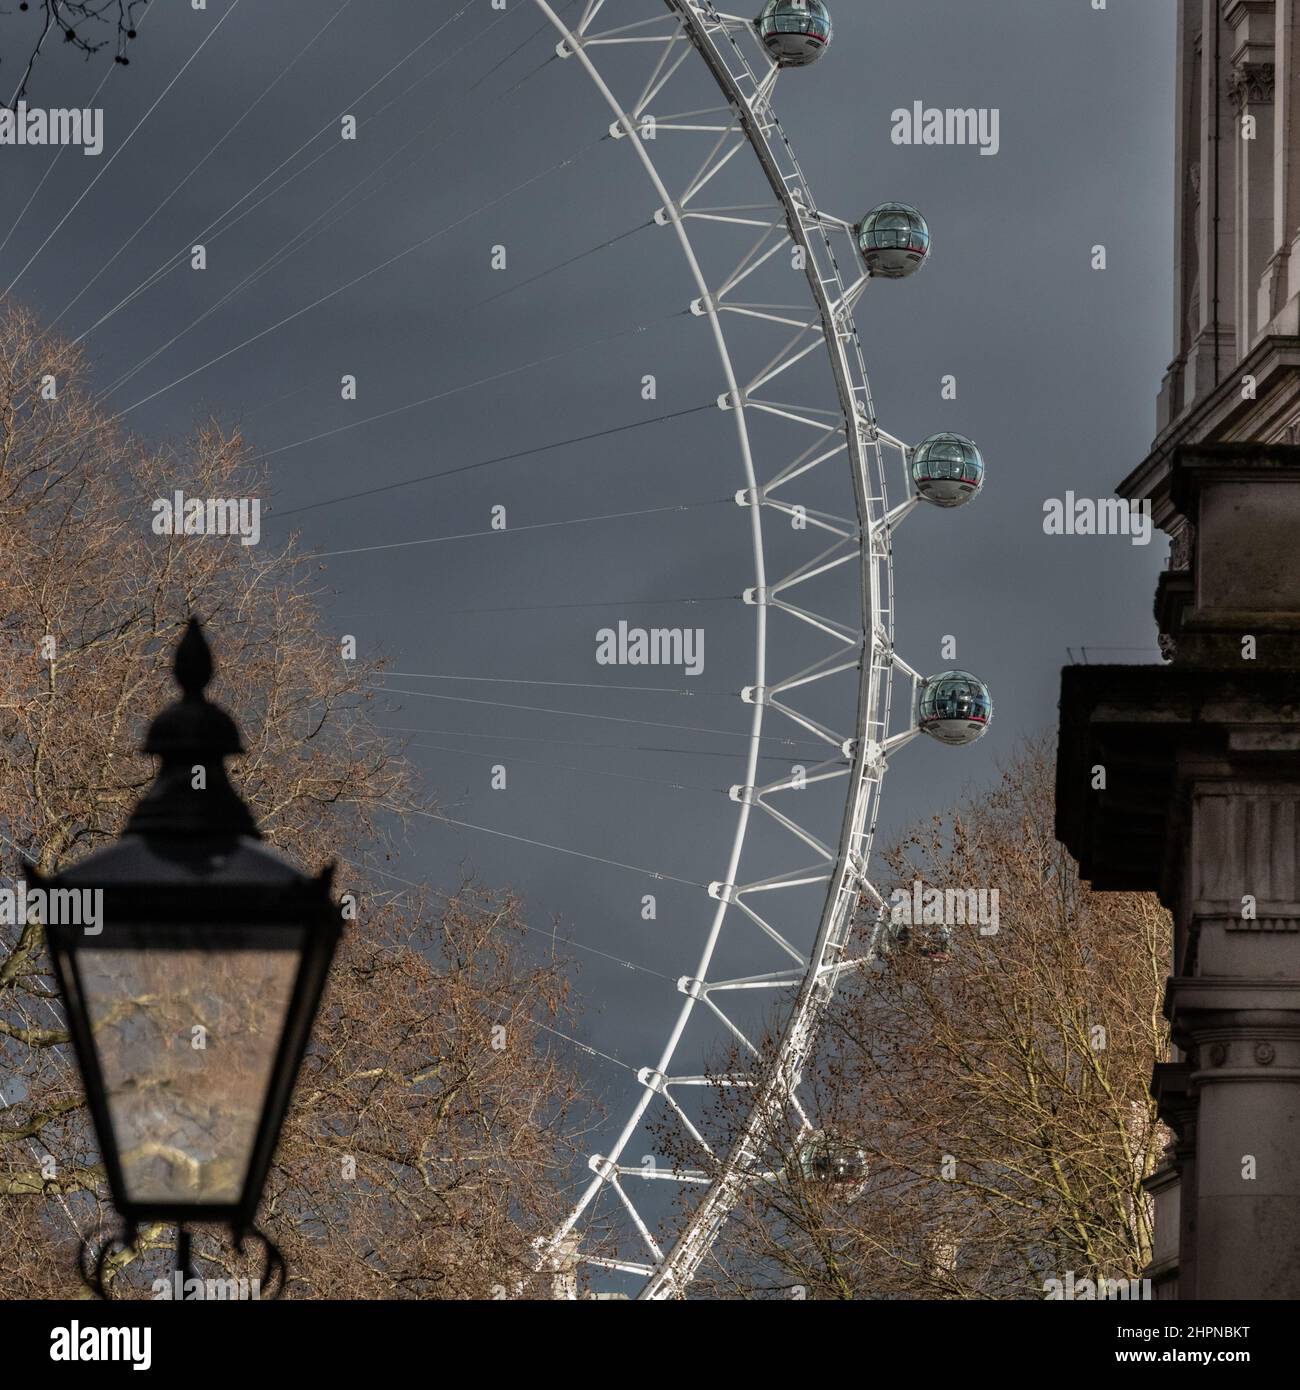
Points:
(191, 1000)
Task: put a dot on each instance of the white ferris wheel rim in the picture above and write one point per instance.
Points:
(701, 29)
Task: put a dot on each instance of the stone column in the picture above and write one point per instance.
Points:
(1213, 350)
(1200, 802)
(1249, 80)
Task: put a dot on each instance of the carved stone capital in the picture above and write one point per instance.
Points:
(1251, 84)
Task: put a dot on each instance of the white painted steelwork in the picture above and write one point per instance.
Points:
(694, 30)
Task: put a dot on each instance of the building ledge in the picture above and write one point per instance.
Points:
(1224, 416)
(1135, 723)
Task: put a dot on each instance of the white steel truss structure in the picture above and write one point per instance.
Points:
(788, 223)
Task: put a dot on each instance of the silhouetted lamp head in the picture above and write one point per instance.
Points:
(191, 960)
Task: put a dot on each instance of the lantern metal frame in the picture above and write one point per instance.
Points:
(219, 890)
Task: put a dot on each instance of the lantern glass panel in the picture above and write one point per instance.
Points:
(187, 1041)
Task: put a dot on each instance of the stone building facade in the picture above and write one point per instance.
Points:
(1184, 779)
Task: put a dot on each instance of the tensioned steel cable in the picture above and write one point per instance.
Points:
(329, 125)
(305, 236)
(325, 298)
(480, 463)
(586, 744)
(551, 270)
(560, 849)
(53, 163)
(341, 289)
(568, 685)
(518, 48)
(596, 603)
(587, 1047)
(580, 714)
(350, 284)
(517, 530)
(535, 931)
(471, 385)
(248, 111)
(455, 390)
(203, 43)
(277, 258)
(179, 258)
(579, 771)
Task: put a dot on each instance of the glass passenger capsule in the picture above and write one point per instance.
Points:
(894, 240)
(795, 32)
(948, 469)
(935, 942)
(931, 941)
(826, 1159)
(956, 708)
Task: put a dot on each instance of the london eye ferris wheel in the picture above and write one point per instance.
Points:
(649, 60)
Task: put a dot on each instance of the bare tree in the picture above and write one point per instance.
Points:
(88, 26)
(992, 1083)
(424, 1148)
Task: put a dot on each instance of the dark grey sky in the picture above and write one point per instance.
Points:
(1057, 368)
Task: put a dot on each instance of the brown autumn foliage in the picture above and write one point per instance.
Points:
(423, 1150)
(995, 1083)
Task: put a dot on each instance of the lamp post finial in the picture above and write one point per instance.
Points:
(193, 662)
